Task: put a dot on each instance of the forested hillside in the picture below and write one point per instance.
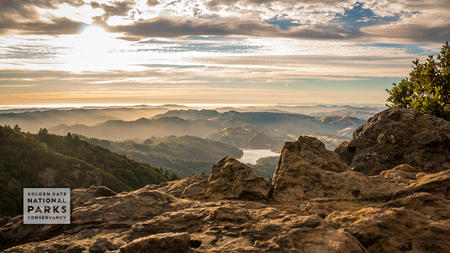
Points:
(183, 156)
(44, 160)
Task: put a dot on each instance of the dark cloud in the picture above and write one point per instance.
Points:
(152, 2)
(21, 17)
(413, 32)
(180, 28)
(116, 9)
(56, 26)
(177, 28)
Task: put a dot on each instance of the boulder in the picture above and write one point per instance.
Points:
(399, 136)
(231, 179)
(306, 170)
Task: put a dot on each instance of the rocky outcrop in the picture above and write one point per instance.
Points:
(394, 229)
(401, 174)
(316, 204)
(306, 170)
(399, 136)
(160, 223)
(231, 179)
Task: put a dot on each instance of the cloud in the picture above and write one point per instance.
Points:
(121, 8)
(152, 2)
(429, 25)
(312, 20)
(411, 32)
(163, 27)
(22, 17)
(351, 20)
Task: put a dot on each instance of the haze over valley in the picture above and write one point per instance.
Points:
(187, 140)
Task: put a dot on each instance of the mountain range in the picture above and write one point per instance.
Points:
(276, 127)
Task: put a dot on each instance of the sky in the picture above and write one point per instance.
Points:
(213, 51)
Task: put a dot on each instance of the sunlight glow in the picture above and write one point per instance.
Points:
(93, 50)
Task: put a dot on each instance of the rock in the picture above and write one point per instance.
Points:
(399, 136)
(189, 187)
(102, 244)
(231, 179)
(428, 204)
(401, 174)
(325, 206)
(82, 195)
(166, 242)
(188, 225)
(313, 152)
(394, 230)
(306, 170)
(436, 183)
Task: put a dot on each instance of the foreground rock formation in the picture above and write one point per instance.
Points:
(314, 203)
(399, 136)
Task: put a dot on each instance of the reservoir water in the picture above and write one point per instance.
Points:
(251, 155)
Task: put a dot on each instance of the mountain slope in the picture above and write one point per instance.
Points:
(242, 136)
(183, 156)
(44, 160)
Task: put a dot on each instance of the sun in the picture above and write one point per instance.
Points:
(91, 50)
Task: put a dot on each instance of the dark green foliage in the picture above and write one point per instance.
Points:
(183, 156)
(266, 166)
(46, 160)
(427, 89)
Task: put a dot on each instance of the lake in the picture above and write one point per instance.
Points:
(251, 155)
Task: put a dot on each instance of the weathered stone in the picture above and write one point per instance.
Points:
(80, 196)
(399, 136)
(402, 174)
(305, 171)
(394, 230)
(231, 179)
(436, 183)
(166, 242)
(190, 187)
(102, 244)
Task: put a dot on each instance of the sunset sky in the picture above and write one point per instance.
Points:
(212, 51)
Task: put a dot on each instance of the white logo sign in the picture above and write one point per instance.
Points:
(46, 205)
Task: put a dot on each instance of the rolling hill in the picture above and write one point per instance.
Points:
(183, 155)
(45, 160)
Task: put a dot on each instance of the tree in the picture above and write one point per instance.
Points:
(43, 131)
(427, 88)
